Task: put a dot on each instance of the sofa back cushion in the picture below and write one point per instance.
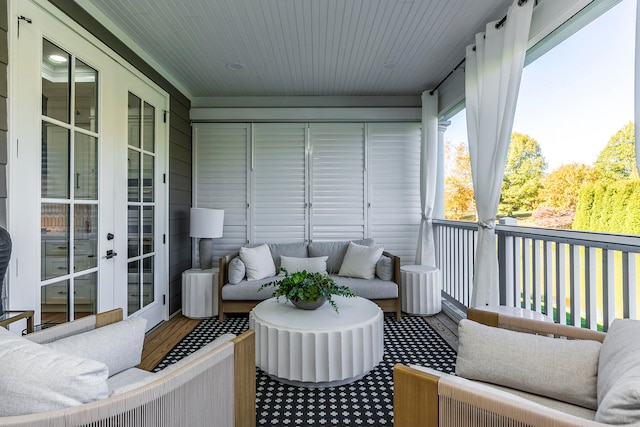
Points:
(619, 374)
(360, 261)
(565, 370)
(310, 265)
(118, 345)
(335, 252)
(35, 378)
(257, 262)
(295, 250)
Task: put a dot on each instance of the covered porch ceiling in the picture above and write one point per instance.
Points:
(230, 48)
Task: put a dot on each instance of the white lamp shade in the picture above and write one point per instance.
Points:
(206, 223)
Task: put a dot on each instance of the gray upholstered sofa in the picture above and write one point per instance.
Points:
(514, 371)
(239, 295)
(83, 373)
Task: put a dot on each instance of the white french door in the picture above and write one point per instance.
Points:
(86, 205)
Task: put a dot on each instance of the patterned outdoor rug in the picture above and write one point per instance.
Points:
(368, 401)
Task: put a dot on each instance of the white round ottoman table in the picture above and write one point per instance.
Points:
(318, 348)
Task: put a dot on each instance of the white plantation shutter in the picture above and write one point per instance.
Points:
(279, 182)
(394, 187)
(220, 156)
(337, 181)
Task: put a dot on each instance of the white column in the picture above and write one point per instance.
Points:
(438, 207)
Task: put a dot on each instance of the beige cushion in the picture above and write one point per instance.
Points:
(360, 261)
(118, 345)
(35, 378)
(561, 369)
(619, 374)
(310, 265)
(257, 262)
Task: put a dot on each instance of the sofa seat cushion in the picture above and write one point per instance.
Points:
(369, 289)
(562, 369)
(35, 378)
(249, 290)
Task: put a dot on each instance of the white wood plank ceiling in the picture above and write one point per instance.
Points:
(303, 47)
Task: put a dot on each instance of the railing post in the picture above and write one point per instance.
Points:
(505, 261)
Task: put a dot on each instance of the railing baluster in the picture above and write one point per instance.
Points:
(625, 284)
(526, 278)
(608, 288)
(561, 307)
(548, 278)
(590, 287)
(537, 282)
(574, 285)
(632, 291)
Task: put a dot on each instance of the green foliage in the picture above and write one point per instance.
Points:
(617, 160)
(458, 184)
(561, 187)
(523, 175)
(612, 207)
(308, 287)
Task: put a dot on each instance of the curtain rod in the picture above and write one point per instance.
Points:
(499, 24)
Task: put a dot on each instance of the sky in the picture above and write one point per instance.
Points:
(579, 94)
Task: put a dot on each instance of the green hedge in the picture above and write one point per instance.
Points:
(609, 207)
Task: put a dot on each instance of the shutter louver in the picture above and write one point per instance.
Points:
(279, 213)
(337, 181)
(394, 186)
(220, 169)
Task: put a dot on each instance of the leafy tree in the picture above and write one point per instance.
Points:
(561, 187)
(458, 184)
(522, 175)
(584, 207)
(617, 159)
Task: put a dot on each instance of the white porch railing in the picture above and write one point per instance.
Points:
(578, 278)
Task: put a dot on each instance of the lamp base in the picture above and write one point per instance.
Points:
(205, 248)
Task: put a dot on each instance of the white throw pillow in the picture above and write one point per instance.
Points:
(360, 261)
(118, 345)
(310, 265)
(236, 271)
(258, 262)
(561, 369)
(34, 378)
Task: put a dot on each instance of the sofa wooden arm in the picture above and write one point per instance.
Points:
(245, 379)
(415, 398)
(530, 326)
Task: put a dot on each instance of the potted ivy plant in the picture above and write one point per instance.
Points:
(308, 291)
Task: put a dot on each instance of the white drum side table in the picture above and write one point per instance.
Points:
(421, 287)
(200, 293)
(318, 348)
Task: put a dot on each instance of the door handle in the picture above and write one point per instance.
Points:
(110, 254)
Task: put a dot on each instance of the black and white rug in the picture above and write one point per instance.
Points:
(366, 402)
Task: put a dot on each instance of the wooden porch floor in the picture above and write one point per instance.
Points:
(160, 340)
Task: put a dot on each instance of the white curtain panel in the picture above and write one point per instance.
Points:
(426, 253)
(492, 80)
(637, 89)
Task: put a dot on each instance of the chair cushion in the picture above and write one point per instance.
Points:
(619, 374)
(335, 251)
(257, 262)
(118, 345)
(360, 261)
(562, 369)
(310, 265)
(35, 378)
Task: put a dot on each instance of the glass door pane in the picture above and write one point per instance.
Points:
(141, 204)
(69, 187)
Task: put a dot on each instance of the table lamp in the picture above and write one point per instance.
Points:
(206, 224)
